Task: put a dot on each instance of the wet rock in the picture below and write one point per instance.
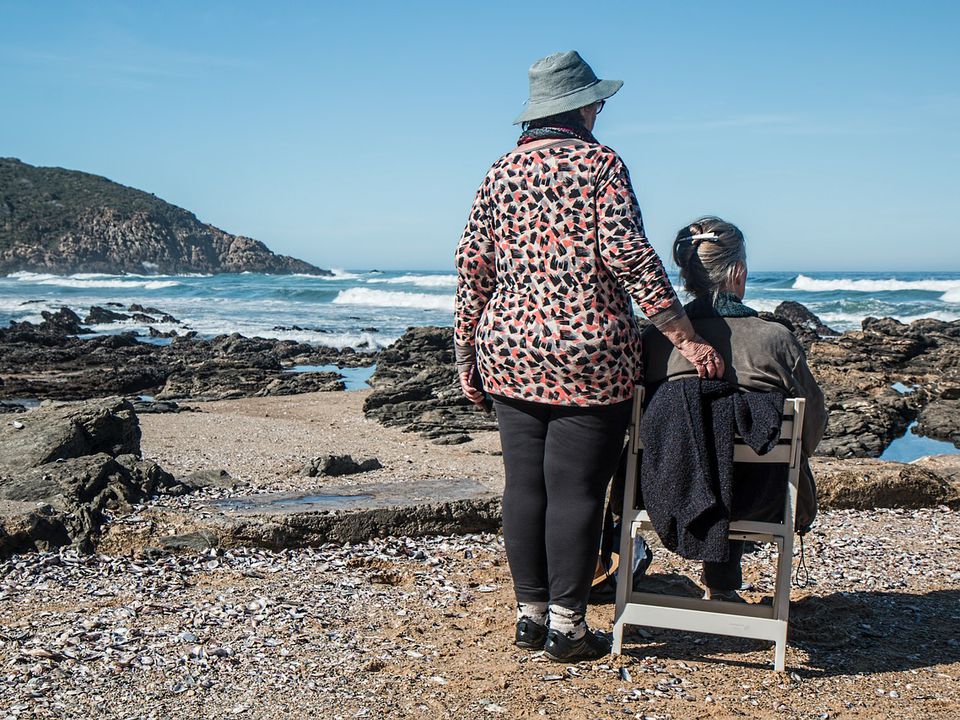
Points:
(64, 321)
(162, 316)
(336, 465)
(867, 484)
(7, 407)
(857, 369)
(101, 316)
(941, 420)
(290, 520)
(154, 333)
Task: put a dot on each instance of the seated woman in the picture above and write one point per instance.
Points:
(759, 355)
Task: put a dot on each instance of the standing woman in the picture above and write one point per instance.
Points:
(552, 252)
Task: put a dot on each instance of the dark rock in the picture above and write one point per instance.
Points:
(6, 407)
(158, 406)
(207, 478)
(65, 502)
(190, 542)
(66, 467)
(416, 387)
(62, 322)
(154, 333)
(336, 465)
(868, 484)
(141, 318)
(856, 370)
(451, 439)
(50, 365)
(150, 313)
(941, 420)
(113, 342)
(70, 431)
(102, 316)
(802, 319)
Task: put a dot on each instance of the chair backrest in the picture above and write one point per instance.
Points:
(787, 451)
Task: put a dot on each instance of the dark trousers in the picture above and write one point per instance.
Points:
(558, 461)
(716, 575)
(725, 575)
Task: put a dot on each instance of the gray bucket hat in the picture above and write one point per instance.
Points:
(562, 82)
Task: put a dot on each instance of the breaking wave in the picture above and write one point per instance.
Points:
(428, 281)
(388, 298)
(808, 284)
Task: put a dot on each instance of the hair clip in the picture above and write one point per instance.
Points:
(703, 236)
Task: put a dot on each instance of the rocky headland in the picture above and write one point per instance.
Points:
(61, 221)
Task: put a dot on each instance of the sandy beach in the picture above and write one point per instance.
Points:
(266, 441)
(422, 627)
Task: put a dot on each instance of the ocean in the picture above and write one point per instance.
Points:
(371, 309)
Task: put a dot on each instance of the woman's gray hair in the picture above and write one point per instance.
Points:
(708, 252)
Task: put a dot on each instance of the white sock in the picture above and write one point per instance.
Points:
(569, 622)
(536, 611)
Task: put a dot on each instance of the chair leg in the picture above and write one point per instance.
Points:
(617, 638)
(780, 657)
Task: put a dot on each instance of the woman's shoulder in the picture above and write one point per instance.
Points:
(572, 148)
(766, 335)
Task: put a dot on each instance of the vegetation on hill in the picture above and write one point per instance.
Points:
(65, 221)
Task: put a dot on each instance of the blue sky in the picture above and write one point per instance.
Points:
(355, 135)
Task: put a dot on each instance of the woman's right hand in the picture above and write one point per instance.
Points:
(703, 356)
(467, 384)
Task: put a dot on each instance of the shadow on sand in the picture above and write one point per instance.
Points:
(844, 633)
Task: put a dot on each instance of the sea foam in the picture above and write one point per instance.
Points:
(91, 280)
(387, 298)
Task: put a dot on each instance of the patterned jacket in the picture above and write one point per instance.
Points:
(552, 252)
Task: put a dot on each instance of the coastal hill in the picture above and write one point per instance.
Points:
(65, 221)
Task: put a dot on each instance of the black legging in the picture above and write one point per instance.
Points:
(558, 461)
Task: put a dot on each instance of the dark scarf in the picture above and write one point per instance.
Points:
(577, 132)
(725, 304)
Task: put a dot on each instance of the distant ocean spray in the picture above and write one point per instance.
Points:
(372, 309)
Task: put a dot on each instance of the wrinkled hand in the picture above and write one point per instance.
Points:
(703, 357)
(474, 394)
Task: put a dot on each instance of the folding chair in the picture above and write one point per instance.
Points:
(719, 617)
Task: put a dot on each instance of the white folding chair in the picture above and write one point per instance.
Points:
(764, 622)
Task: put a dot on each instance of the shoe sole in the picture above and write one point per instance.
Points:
(557, 658)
